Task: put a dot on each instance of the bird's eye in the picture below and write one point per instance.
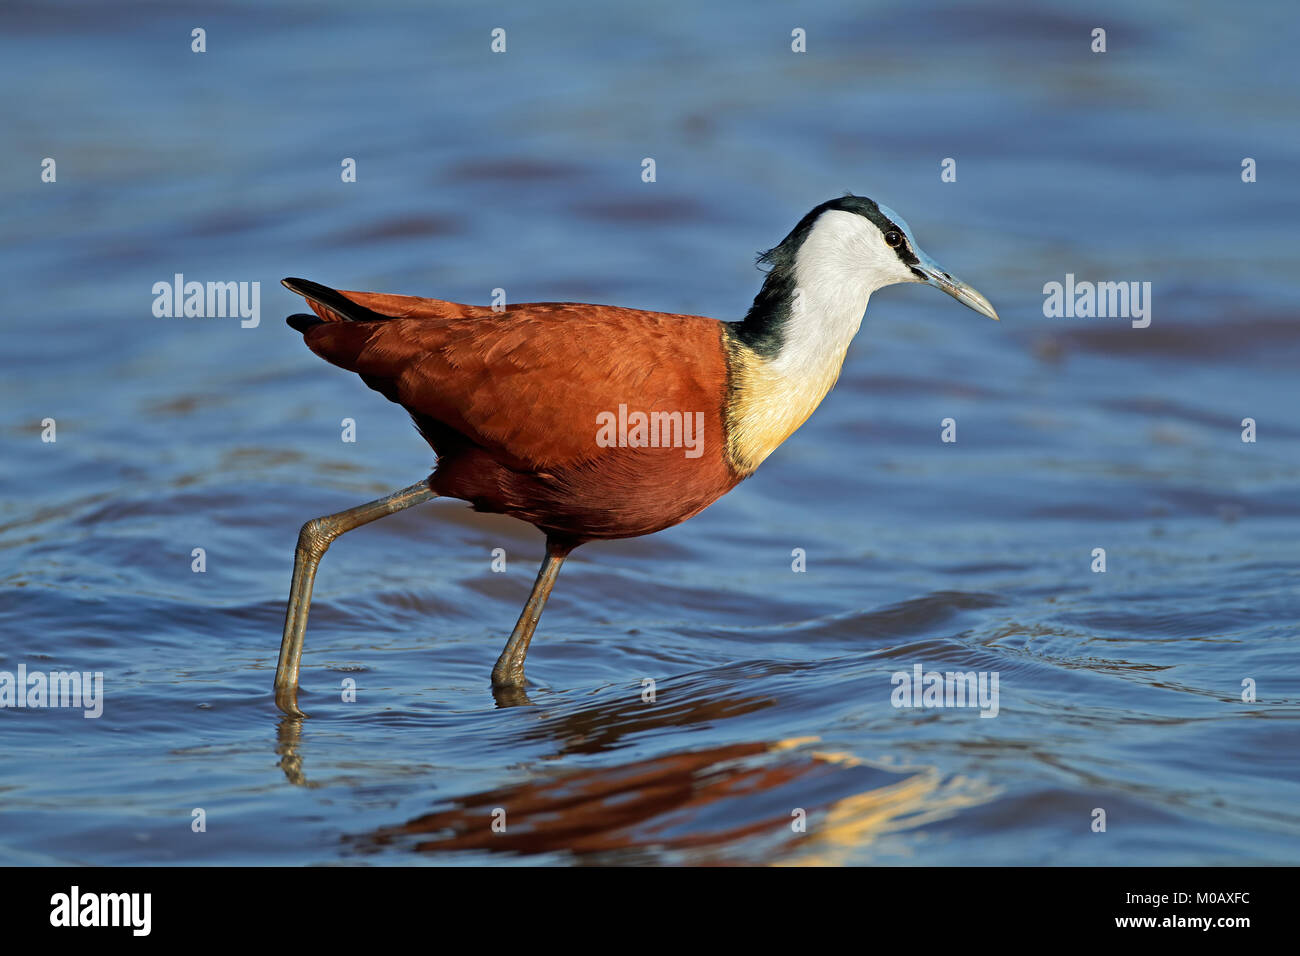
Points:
(893, 238)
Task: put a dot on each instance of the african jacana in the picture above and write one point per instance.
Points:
(519, 404)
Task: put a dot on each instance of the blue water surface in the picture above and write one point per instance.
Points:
(1164, 692)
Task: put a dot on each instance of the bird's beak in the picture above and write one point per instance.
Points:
(959, 290)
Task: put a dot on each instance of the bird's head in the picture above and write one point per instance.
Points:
(859, 246)
(795, 337)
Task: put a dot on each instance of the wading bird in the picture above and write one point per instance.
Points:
(595, 421)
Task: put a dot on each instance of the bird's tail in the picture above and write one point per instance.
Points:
(330, 305)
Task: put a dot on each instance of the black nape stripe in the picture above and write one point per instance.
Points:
(763, 328)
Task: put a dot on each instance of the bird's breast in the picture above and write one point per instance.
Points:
(767, 401)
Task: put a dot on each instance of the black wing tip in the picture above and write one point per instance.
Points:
(303, 286)
(302, 322)
(333, 300)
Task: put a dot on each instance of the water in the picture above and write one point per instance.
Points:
(1120, 691)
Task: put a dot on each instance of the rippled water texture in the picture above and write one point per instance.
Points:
(1120, 691)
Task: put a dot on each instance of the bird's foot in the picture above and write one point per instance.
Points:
(508, 685)
(510, 696)
(286, 698)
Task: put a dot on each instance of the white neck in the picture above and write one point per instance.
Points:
(840, 263)
(830, 296)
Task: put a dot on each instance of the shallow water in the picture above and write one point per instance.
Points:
(1119, 690)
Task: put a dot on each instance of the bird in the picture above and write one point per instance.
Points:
(595, 422)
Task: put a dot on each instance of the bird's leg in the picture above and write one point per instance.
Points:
(314, 538)
(508, 674)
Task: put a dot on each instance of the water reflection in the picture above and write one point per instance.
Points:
(783, 802)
